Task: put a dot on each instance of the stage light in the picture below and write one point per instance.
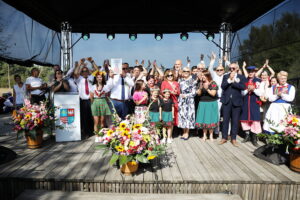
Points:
(110, 36)
(132, 36)
(184, 36)
(85, 36)
(158, 36)
(210, 36)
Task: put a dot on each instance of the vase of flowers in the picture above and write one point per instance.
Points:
(287, 133)
(130, 144)
(32, 121)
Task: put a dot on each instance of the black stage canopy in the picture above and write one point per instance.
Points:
(144, 16)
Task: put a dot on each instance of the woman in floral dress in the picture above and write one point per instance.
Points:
(186, 104)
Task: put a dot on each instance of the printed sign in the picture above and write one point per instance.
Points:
(68, 116)
(116, 65)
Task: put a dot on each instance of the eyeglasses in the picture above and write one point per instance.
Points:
(220, 70)
(125, 68)
(84, 70)
(187, 71)
(232, 68)
(170, 75)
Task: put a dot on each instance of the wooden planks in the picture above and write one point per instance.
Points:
(191, 166)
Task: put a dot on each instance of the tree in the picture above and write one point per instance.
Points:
(279, 42)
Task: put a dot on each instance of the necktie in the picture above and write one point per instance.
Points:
(123, 89)
(86, 87)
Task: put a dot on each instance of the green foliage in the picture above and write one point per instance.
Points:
(24, 72)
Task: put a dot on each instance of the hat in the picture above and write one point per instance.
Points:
(251, 67)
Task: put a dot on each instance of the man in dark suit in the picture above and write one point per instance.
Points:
(232, 100)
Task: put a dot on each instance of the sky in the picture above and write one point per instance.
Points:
(165, 51)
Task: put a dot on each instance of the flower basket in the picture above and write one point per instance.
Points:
(130, 144)
(295, 160)
(287, 135)
(129, 168)
(34, 120)
(34, 142)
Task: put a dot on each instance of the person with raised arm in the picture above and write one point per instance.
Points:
(263, 70)
(84, 81)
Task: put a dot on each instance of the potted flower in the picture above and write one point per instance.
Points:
(33, 121)
(130, 144)
(287, 133)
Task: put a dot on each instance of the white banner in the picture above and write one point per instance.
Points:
(68, 116)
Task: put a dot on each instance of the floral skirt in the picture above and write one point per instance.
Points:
(207, 115)
(100, 107)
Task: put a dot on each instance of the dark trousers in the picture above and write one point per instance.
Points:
(230, 112)
(121, 108)
(86, 118)
(36, 99)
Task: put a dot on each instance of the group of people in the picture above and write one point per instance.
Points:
(180, 98)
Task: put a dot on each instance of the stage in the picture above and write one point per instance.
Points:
(191, 166)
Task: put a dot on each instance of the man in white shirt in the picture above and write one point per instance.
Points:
(84, 82)
(120, 85)
(35, 87)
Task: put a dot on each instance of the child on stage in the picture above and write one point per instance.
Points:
(140, 98)
(167, 115)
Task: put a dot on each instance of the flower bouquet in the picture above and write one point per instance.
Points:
(286, 136)
(33, 121)
(287, 132)
(130, 143)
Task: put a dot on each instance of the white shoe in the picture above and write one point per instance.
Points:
(163, 141)
(169, 140)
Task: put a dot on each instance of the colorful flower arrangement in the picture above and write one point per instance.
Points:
(287, 132)
(30, 117)
(130, 142)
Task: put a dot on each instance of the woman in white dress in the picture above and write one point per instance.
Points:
(281, 97)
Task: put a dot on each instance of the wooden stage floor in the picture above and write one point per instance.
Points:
(191, 166)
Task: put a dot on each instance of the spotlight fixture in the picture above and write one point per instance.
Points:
(132, 36)
(184, 36)
(85, 36)
(110, 36)
(210, 36)
(158, 36)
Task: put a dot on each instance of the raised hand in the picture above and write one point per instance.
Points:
(82, 60)
(201, 57)
(143, 62)
(266, 63)
(244, 64)
(90, 59)
(213, 56)
(136, 62)
(188, 59)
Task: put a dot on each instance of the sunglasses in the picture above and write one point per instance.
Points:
(187, 71)
(220, 70)
(171, 75)
(232, 68)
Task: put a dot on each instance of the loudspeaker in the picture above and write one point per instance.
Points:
(6, 155)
